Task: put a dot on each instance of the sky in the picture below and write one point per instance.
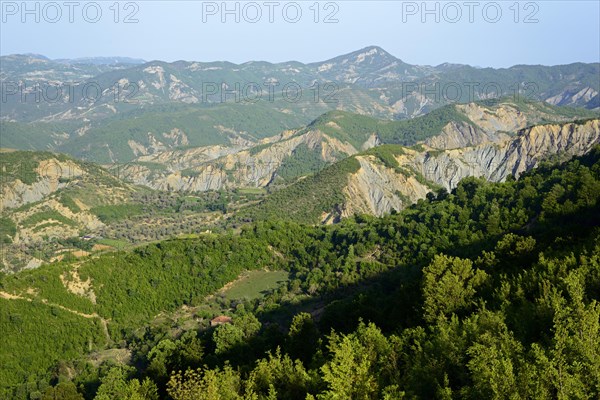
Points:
(479, 33)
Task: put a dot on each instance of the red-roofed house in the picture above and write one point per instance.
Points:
(220, 320)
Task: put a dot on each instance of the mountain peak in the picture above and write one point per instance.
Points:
(372, 52)
(375, 50)
(368, 55)
(369, 66)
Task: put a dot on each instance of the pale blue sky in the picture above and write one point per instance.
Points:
(565, 32)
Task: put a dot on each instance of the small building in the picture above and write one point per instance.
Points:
(220, 320)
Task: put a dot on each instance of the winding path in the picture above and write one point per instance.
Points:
(103, 322)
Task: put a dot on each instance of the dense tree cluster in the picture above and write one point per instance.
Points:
(490, 291)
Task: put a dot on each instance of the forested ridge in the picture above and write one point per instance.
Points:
(490, 291)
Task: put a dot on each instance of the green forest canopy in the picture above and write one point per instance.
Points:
(488, 292)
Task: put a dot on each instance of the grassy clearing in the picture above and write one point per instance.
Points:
(117, 244)
(252, 190)
(252, 284)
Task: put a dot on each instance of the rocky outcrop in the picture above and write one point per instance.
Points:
(461, 134)
(506, 118)
(52, 175)
(226, 167)
(579, 96)
(173, 160)
(377, 189)
(495, 161)
(371, 142)
(489, 124)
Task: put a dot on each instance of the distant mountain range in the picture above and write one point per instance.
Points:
(369, 81)
(101, 60)
(114, 109)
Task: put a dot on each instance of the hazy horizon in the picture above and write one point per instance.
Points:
(279, 62)
(530, 33)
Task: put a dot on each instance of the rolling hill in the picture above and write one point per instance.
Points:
(280, 159)
(392, 177)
